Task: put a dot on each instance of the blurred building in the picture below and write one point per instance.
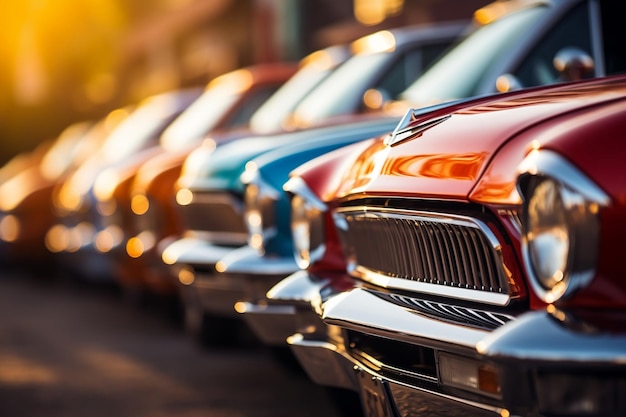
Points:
(76, 59)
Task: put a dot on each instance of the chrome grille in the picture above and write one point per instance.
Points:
(218, 214)
(458, 314)
(435, 249)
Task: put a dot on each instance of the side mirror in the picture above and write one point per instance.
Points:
(573, 64)
(375, 99)
(507, 82)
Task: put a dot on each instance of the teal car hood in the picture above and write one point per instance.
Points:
(221, 168)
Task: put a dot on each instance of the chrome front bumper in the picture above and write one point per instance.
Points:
(253, 275)
(221, 278)
(192, 264)
(194, 252)
(547, 362)
(573, 367)
(329, 364)
(275, 318)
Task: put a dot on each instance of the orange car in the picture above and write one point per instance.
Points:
(225, 105)
(76, 221)
(156, 219)
(26, 184)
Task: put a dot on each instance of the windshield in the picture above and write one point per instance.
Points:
(271, 116)
(141, 127)
(62, 154)
(460, 72)
(342, 89)
(200, 117)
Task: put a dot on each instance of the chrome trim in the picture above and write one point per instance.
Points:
(299, 287)
(595, 17)
(316, 244)
(456, 313)
(266, 309)
(271, 323)
(404, 130)
(329, 365)
(489, 296)
(246, 260)
(253, 176)
(362, 311)
(384, 367)
(553, 340)
(264, 204)
(513, 217)
(548, 163)
(404, 133)
(324, 362)
(191, 251)
(296, 185)
(551, 165)
(432, 289)
(224, 238)
(413, 401)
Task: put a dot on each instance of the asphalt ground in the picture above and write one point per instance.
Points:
(71, 349)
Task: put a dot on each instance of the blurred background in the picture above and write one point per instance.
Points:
(70, 60)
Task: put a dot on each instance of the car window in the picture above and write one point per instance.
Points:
(408, 67)
(573, 30)
(342, 91)
(474, 56)
(272, 114)
(200, 118)
(335, 95)
(251, 103)
(141, 129)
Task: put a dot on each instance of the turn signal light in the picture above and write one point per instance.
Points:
(469, 374)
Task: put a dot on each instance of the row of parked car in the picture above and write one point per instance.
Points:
(430, 217)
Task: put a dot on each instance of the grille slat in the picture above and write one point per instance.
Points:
(424, 247)
(459, 258)
(451, 275)
(455, 313)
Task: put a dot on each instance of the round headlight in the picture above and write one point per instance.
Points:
(253, 216)
(560, 225)
(547, 236)
(307, 223)
(259, 207)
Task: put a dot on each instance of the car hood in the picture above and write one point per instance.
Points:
(451, 148)
(223, 166)
(275, 165)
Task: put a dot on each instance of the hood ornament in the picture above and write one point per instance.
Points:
(406, 130)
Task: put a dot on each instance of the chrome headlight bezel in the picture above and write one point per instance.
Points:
(259, 208)
(308, 214)
(560, 225)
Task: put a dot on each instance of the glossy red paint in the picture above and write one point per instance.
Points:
(592, 139)
(472, 157)
(447, 160)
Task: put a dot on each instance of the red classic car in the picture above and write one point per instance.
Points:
(469, 263)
